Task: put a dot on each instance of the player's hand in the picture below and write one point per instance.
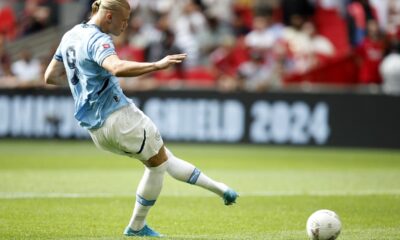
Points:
(170, 60)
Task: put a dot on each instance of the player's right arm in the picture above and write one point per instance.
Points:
(122, 68)
(55, 74)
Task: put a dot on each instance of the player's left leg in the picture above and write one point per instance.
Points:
(186, 172)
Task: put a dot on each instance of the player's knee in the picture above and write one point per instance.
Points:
(158, 159)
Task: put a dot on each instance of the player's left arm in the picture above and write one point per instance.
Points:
(55, 74)
(122, 68)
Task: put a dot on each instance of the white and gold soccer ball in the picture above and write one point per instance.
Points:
(323, 225)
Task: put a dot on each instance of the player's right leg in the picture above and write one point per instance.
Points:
(146, 195)
(186, 172)
(129, 132)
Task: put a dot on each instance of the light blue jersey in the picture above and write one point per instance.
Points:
(96, 92)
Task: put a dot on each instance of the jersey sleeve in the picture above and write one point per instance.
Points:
(101, 47)
(58, 56)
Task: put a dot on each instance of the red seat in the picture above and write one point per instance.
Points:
(341, 70)
(199, 76)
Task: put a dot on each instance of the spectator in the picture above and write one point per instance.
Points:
(154, 32)
(6, 77)
(307, 48)
(255, 75)
(321, 48)
(187, 28)
(299, 45)
(127, 51)
(138, 33)
(371, 52)
(390, 71)
(5, 59)
(393, 20)
(27, 69)
(302, 8)
(228, 57)
(359, 13)
(243, 9)
(37, 16)
(169, 77)
(221, 9)
(381, 7)
(265, 32)
(239, 25)
(166, 46)
(211, 38)
(8, 21)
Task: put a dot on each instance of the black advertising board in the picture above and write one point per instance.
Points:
(303, 119)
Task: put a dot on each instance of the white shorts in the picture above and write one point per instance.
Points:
(128, 131)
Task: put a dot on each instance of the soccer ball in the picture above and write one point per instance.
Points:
(323, 225)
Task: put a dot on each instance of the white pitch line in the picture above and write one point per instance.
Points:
(33, 195)
(325, 193)
(26, 195)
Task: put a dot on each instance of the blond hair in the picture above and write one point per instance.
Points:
(114, 5)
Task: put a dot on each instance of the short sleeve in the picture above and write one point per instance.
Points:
(58, 55)
(101, 47)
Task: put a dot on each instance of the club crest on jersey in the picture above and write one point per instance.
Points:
(106, 45)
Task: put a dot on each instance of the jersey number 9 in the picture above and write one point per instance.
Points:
(71, 60)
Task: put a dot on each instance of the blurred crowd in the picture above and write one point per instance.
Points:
(232, 45)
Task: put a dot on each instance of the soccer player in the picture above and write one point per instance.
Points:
(86, 61)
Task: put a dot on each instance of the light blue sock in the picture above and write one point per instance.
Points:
(186, 172)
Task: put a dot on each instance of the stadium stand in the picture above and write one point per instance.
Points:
(300, 42)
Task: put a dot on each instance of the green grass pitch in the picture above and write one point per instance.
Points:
(71, 190)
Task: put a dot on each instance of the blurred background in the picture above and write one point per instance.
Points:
(233, 45)
(318, 60)
(294, 103)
